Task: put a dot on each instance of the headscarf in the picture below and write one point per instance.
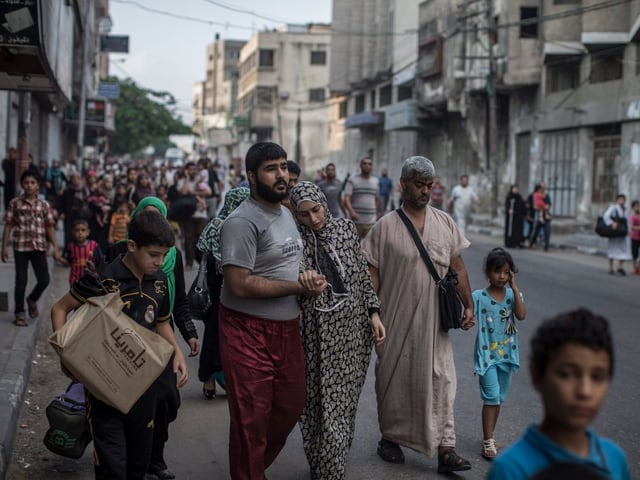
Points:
(169, 263)
(209, 241)
(321, 243)
(144, 192)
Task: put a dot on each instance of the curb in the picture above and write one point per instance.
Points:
(15, 372)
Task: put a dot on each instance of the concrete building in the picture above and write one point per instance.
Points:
(372, 82)
(215, 100)
(52, 48)
(283, 92)
(565, 78)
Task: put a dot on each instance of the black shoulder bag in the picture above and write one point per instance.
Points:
(449, 300)
(198, 296)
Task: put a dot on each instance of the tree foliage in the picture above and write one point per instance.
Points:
(143, 117)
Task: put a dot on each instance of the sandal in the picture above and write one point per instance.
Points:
(33, 308)
(20, 320)
(390, 451)
(209, 394)
(449, 461)
(489, 449)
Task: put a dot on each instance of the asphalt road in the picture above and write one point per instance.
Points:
(551, 282)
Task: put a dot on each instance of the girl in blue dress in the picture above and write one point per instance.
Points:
(496, 353)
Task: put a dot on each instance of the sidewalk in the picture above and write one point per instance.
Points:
(17, 344)
(16, 355)
(565, 234)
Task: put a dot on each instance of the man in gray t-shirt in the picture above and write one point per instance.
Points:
(361, 200)
(260, 344)
(332, 189)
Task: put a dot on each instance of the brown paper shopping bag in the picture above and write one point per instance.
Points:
(114, 357)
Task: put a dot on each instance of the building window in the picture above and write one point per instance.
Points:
(385, 95)
(261, 134)
(405, 93)
(342, 109)
(606, 153)
(267, 58)
(359, 107)
(372, 96)
(606, 65)
(430, 58)
(248, 64)
(316, 95)
(318, 57)
(563, 75)
(265, 96)
(528, 22)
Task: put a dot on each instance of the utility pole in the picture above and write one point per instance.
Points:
(82, 107)
(492, 147)
(298, 142)
(24, 124)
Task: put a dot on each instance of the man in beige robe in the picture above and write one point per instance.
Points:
(415, 372)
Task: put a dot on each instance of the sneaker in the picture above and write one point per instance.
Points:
(489, 449)
(33, 308)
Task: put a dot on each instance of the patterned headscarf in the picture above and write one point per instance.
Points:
(169, 264)
(321, 246)
(311, 192)
(209, 241)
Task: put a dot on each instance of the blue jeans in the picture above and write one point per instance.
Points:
(539, 227)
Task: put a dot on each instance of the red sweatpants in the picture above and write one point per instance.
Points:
(263, 365)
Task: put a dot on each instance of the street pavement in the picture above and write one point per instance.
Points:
(16, 357)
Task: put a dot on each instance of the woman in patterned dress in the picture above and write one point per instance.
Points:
(338, 330)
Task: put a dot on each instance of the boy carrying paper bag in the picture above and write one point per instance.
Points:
(122, 441)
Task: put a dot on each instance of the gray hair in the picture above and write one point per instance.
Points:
(418, 166)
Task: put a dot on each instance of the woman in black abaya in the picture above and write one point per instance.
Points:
(515, 212)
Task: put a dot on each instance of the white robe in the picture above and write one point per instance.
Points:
(415, 371)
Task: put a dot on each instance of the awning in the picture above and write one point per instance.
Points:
(371, 118)
(598, 40)
(27, 38)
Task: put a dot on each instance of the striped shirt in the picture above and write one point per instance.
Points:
(30, 220)
(363, 192)
(79, 255)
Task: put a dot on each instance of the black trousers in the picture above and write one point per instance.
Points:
(122, 442)
(210, 353)
(38, 261)
(167, 405)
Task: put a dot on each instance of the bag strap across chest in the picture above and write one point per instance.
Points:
(420, 245)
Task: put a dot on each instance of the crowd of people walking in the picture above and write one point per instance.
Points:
(300, 296)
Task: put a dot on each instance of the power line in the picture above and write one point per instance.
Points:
(240, 10)
(542, 18)
(181, 17)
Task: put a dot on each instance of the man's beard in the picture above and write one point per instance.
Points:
(268, 195)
